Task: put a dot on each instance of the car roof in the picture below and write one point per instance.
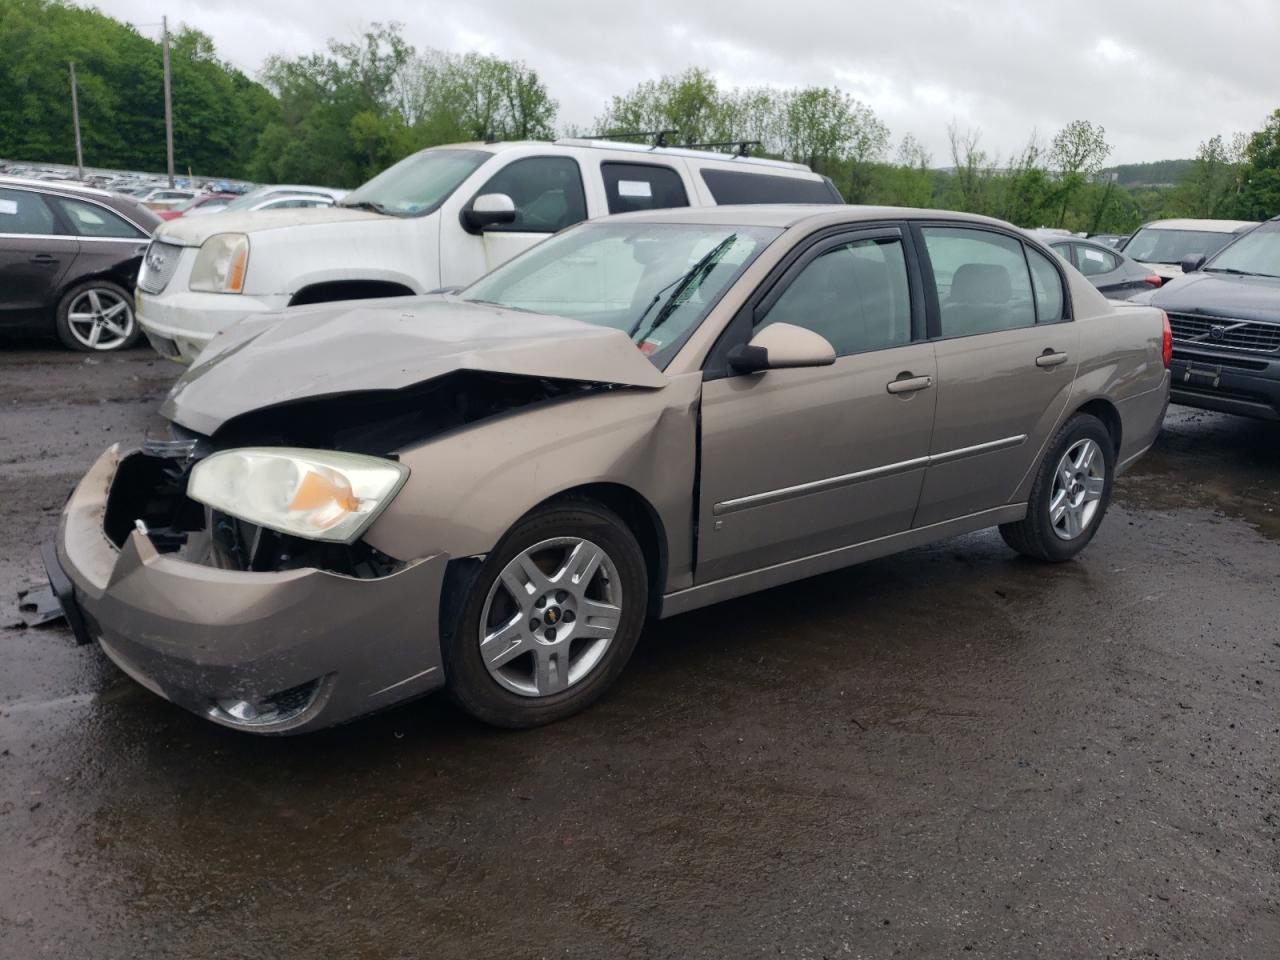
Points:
(632, 147)
(60, 185)
(1207, 226)
(787, 215)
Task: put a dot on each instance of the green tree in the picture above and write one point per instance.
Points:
(1078, 152)
(1260, 176)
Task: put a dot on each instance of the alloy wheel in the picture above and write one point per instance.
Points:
(1078, 485)
(100, 319)
(550, 616)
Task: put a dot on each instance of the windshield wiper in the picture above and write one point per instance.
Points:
(1235, 272)
(681, 283)
(366, 205)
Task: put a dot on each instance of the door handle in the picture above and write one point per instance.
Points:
(1050, 359)
(43, 258)
(906, 383)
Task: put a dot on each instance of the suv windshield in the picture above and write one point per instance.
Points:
(1154, 245)
(1257, 253)
(418, 184)
(653, 281)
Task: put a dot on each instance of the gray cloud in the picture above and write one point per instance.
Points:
(1160, 76)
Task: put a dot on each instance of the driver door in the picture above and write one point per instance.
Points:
(548, 195)
(796, 462)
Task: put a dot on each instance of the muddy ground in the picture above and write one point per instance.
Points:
(948, 753)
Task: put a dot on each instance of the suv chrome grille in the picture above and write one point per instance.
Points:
(159, 266)
(1226, 333)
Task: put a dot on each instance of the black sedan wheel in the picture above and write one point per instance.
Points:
(97, 316)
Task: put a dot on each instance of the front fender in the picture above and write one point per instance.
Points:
(468, 488)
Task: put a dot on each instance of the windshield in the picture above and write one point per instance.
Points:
(417, 184)
(654, 281)
(1257, 253)
(1154, 245)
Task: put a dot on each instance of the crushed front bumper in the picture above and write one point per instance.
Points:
(283, 652)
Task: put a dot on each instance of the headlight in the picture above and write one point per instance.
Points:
(221, 264)
(317, 494)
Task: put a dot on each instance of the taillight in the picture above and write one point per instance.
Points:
(1153, 280)
(1166, 349)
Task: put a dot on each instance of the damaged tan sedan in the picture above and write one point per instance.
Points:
(491, 491)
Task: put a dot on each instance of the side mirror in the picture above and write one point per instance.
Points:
(1193, 262)
(488, 209)
(782, 345)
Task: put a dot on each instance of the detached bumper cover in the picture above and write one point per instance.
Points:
(201, 636)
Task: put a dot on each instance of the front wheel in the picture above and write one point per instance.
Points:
(97, 316)
(551, 618)
(1070, 494)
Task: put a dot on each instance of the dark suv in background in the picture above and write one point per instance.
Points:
(69, 259)
(1225, 315)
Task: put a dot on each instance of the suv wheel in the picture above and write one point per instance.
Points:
(97, 316)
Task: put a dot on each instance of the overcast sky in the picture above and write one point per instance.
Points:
(1159, 76)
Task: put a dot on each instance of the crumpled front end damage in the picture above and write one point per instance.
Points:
(272, 633)
(275, 651)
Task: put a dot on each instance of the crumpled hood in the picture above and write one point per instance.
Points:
(193, 231)
(363, 345)
(1221, 295)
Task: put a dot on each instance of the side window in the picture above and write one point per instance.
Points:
(856, 295)
(642, 186)
(1091, 261)
(1047, 282)
(547, 192)
(91, 220)
(982, 280)
(24, 212)
(737, 186)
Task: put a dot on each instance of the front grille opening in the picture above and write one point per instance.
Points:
(1226, 333)
(153, 490)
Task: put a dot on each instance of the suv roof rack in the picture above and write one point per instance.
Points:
(693, 152)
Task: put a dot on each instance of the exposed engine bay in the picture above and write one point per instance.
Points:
(149, 489)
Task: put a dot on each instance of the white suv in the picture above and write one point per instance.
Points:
(439, 218)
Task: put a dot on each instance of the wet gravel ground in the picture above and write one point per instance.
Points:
(947, 753)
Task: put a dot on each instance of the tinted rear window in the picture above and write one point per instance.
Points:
(737, 186)
(641, 186)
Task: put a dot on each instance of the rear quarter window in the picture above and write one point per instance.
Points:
(642, 186)
(739, 186)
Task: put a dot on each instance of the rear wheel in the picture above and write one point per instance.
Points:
(551, 618)
(97, 316)
(1070, 494)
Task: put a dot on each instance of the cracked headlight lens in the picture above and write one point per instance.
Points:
(221, 264)
(316, 494)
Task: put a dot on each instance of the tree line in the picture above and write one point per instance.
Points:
(340, 115)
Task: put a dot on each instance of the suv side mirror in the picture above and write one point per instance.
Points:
(782, 345)
(1193, 262)
(488, 209)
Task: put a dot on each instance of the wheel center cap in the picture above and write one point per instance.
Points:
(552, 615)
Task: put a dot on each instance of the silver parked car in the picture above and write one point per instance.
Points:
(492, 491)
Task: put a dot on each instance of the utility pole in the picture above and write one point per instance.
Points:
(75, 119)
(168, 99)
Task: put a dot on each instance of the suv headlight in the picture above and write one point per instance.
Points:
(316, 494)
(221, 264)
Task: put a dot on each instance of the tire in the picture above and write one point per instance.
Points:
(546, 669)
(88, 307)
(1055, 528)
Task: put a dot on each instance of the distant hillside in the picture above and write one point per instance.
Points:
(1159, 172)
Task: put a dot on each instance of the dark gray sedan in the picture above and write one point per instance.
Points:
(1116, 276)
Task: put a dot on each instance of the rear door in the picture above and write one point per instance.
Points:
(1006, 353)
(35, 254)
(109, 244)
(795, 462)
